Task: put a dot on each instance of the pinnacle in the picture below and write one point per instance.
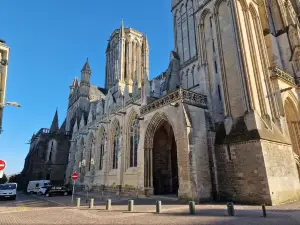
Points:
(54, 125)
(86, 66)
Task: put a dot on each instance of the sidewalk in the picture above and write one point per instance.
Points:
(99, 198)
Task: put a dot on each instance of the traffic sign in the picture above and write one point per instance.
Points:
(1, 173)
(74, 176)
(2, 164)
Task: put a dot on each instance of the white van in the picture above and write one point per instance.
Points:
(8, 190)
(35, 185)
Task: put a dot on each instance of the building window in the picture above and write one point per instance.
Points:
(101, 153)
(81, 159)
(219, 92)
(133, 143)
(91, 154)
(216, 66)
(51, 152)
(116, 148)
(228, 152)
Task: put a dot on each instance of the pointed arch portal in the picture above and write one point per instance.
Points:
(293, 122)
(161, 165)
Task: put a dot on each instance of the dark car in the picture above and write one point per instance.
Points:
(57, 190)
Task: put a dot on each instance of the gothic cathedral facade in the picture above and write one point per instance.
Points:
(222, 122)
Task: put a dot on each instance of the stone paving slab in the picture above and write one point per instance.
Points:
(173, 212)
(176, 216)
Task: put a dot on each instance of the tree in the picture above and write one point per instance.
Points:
(17, 178)
(4, 179)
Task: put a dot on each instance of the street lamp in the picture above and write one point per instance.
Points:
(2, 105)
(15, 104)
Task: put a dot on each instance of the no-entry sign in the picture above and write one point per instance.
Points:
(74, 176)
(2, 164)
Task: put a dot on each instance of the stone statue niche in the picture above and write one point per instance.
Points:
(172, 81)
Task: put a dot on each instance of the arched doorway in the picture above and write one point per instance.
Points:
(164, 156)
(293, 122)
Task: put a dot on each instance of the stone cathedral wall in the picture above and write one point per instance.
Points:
(257, 172)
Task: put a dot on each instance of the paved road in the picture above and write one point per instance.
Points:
(40, 210)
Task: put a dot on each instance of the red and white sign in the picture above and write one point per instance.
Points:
(74, 176)
(2, 164)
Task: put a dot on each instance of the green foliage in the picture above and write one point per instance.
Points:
(17, 178)
(4, 179)
(127, 186)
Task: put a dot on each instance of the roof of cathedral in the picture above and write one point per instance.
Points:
(63, 126)
(54, 125)
(86, 66)
(103, 90)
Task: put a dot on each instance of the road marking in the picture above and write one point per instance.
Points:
(29, 209)
(50, 201)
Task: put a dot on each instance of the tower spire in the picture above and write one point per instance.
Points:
(54, 126)
(122, 32)
(86, 67)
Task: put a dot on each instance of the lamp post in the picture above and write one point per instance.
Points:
(2, 105)
(14, 104)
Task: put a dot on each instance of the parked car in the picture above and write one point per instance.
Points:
(34, 185)
(57, 190)
(8, 191)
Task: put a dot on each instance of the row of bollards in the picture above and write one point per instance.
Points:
(192, 208)
(230, 209)
(108, 205)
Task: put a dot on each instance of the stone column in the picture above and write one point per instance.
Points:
(139, 73)
(127, 60)
(105, 161)
(116, 63)
(134, 59)
(109, 68)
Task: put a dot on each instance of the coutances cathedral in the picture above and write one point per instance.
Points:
(221, 123)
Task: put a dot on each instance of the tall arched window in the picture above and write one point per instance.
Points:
(116, 147)
(82, 157)
(51, 152)
(102, 146)
(50, 156)
(91, 153)
(133, 142)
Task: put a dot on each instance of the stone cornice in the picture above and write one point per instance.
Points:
(188, 97)
(279, 73)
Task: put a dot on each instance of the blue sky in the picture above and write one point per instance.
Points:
(50, 41)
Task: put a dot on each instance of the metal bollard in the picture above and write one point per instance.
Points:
(91, 203)
(158, 206)
(108, 204)
(130, 205)
(230, 209)
(78, 202)
(264, 210)
(192, 207)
